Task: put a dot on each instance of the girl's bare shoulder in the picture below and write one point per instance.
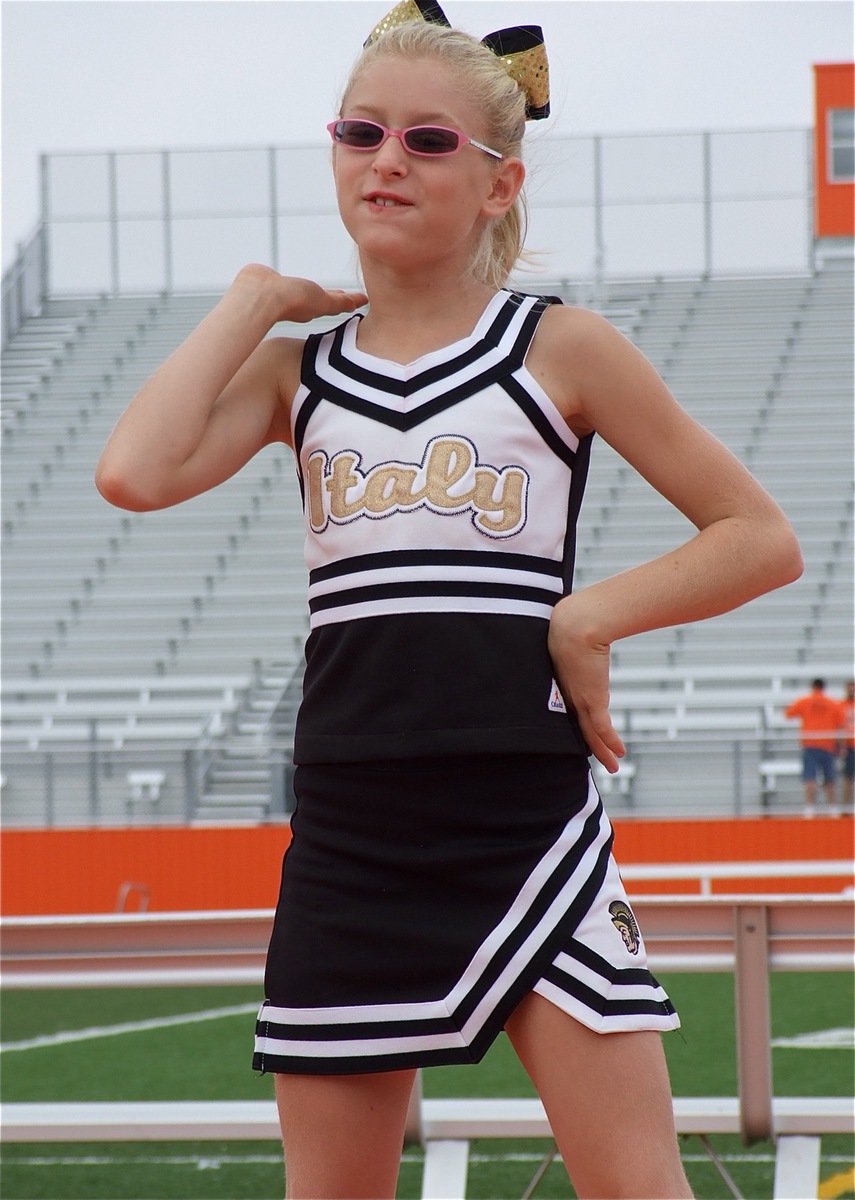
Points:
(569, 344)
(578, 334)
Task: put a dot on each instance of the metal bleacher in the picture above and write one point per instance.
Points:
(766, 365)
(214, 589)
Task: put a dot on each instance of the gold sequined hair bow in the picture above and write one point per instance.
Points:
(520, 48)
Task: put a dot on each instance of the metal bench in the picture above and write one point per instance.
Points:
(773, 769)
(144, 787)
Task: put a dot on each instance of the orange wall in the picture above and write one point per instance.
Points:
(81, 870)
(834, 87)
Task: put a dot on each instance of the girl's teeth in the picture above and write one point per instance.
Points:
(381, 200)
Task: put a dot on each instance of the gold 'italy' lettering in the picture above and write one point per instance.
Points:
(449, 479)
(509, 501)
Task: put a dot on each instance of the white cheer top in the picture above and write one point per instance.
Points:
(441, 499)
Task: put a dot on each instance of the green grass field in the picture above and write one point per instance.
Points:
(207, 1058)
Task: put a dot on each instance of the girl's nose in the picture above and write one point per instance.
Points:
(391, 158)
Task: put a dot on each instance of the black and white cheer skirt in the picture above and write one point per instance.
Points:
(422, 900)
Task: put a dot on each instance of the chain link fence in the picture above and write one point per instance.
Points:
(168, 220)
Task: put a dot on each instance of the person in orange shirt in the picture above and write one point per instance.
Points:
(848, 748)
(821, 720)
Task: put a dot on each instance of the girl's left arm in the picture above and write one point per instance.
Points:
(744, 546)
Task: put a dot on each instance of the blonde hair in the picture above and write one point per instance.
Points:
(500, 100)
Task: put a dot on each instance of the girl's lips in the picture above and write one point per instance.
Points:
(387, 200)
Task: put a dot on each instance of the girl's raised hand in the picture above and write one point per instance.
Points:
(219, 396)
(293, 299)
(582, 671)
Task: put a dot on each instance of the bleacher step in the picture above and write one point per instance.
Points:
(229, 778)
(250, 815)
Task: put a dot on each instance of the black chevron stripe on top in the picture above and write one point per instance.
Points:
(492, 339)
(337, 378)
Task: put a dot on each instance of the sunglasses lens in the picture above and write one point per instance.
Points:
(427, 139)
(361, 135)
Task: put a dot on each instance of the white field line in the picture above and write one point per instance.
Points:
(822, 1039)
(64, 1037)
(203, 1163)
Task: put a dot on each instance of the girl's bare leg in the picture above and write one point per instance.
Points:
(343, 1134)
(608, 1099)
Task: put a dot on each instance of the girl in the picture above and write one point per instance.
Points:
(450, 873)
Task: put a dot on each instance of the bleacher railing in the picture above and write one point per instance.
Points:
(92, 751)
(25, 283)
(612, 206)
(100, 782)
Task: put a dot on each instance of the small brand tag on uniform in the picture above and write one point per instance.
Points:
(556, 700)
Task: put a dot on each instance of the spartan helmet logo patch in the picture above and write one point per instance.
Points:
(625, 923)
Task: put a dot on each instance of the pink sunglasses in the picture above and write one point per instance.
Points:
(428, 141)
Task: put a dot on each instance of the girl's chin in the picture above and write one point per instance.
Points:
(400, 250)
(403, 253)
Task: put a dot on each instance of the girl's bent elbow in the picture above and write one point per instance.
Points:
(116, 489)
(797, 563)
(791, 564)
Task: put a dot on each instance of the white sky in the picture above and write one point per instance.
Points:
(117, 74)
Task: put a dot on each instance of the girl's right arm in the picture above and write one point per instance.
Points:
(221, 397)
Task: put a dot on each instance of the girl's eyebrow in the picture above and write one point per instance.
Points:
(430, 118)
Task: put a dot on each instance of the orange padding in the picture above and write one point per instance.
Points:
(57, 871)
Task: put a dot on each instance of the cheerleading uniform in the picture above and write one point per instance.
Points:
(450, 852)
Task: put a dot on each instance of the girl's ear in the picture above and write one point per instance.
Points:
(507, 182)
